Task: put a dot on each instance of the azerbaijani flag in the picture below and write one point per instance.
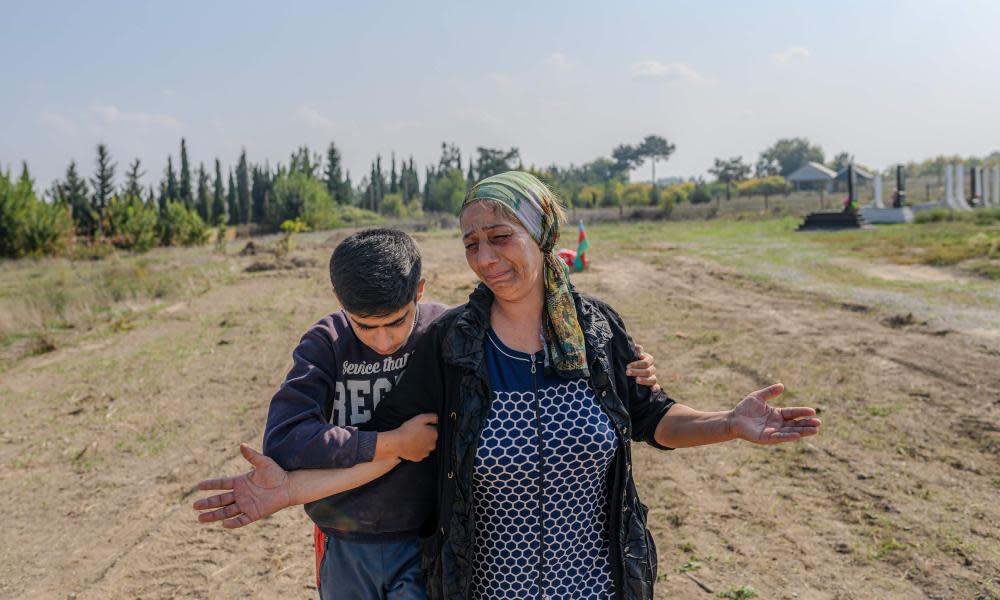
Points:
(581, 250)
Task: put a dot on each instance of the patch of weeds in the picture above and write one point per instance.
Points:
(741, 593)
(676, 520)
(987, 270)
(687, 547)
(879, 411)
(691, 565)
(42, 343)
(886, 548)
(996, 483)
(157, 437)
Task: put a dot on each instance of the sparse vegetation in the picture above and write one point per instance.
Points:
(744, 592)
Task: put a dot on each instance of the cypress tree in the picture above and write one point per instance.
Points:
(218, 196)
(346, 193)
(203, 203)
(393, 182)
(133, 189)
(104, 179)
(370, 192)
(379, 183)
(427, 186)
(412, 181)
(171, 187)
(163, 199)
(331, 175)
(25, 180)
(151, 195)
(186, 195)
(232, 203)
(470, 177)
(73, 192)
(243, 187)
(260, 192)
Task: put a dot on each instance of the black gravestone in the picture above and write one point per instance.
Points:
(849, 218)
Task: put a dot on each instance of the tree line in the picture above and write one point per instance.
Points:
(315, 189)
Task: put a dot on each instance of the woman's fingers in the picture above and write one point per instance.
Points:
(215, 501)
(221, 483)
(769, 393)
(797, 412)
(237, 521)
(217, 515)
(805, 423)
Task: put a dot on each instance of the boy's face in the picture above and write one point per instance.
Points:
(388, 333)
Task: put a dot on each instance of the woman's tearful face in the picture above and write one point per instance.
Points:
(501, 252)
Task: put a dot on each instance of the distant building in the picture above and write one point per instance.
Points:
(860, 175)
(812, 176)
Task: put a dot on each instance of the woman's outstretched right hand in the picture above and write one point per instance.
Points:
(263, 491)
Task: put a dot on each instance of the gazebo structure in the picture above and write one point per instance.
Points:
(812, 175)
(860, 175)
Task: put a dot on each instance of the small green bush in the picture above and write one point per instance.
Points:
(130, 224)
(28, 225)
(699, 195)
(179, 226)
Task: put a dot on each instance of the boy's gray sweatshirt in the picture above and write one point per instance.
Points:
(335, 383)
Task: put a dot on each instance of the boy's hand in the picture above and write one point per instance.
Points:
(644, 370)
(413, 441)
(261, 492)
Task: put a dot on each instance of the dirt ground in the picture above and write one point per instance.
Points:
(102, 439)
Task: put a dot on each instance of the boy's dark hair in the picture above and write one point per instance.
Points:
(375, 272)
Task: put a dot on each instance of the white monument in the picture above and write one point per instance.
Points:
(960, 188)
(949, 185)
(996, 186)
(984, 186)
(877, 186)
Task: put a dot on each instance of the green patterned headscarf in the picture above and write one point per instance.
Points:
(534, 205)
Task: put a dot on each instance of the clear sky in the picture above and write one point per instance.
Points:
(563, 81)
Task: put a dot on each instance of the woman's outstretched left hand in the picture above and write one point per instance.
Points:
(756, 421)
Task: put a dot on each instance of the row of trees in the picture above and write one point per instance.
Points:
(316, 189)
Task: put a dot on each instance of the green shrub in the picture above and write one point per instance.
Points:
(614, 193)
(288, 229)
(935, 215)
(130, 224)
(393, 206)
(28, 225)
(763, 186)
(668, 201)
(591, 195)
(181, 226)
(637, 194)
(353, 216)
(699, 194)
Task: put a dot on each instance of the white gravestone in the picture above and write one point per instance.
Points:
(949, 185)
(996, 186)
(877, 185)
(960, 187)
(984, 186)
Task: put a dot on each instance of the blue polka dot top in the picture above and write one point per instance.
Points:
(540, 485)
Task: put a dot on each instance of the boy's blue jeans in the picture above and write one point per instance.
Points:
(356, 571)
